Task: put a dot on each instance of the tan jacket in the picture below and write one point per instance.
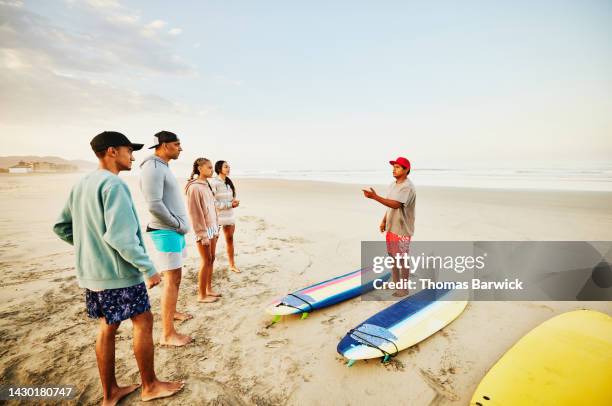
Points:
(201, 210)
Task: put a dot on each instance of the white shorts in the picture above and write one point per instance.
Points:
(167, 261)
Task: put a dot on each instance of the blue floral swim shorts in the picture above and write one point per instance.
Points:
(116, 305)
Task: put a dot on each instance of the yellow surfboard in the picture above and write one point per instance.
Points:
(566, 360)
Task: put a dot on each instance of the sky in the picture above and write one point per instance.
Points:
(312, 84)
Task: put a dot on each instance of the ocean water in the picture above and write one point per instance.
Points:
(586, 177)
(576, 179)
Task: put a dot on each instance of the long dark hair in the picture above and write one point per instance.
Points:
(228, 181)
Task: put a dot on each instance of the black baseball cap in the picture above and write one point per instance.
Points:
(112, 139)
(163, 136)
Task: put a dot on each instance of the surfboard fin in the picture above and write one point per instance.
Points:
(386, 359)
(304, 315)
(276, 319)
(350, 363)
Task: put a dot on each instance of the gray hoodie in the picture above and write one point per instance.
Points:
(163, 196)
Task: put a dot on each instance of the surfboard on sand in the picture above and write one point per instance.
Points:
(403, 324)
(323, 294)
(567, 360)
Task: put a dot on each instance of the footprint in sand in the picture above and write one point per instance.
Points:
(394, 365)
(290, 239)
(277, 343)
(330, 321)
(262, 333)
(413, 350)
(442, 388)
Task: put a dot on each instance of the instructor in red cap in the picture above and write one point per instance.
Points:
(399, 217)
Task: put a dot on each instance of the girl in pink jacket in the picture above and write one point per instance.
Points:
(205, 224)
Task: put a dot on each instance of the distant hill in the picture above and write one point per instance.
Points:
(8, 161)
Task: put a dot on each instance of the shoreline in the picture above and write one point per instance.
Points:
(359, 184)
(434, 187)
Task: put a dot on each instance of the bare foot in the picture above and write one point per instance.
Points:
(213, 293)
(161, 390)
(234, 268)
(400, 293)
(207, 299)
(182, 316)
(176, 340)
(119, 393)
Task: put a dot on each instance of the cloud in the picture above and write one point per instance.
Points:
(14, 3)
(51, 72)
(175, 31)
(119, 43)
(156, 24)
(223, 80)
(39, 95)
(101, 4)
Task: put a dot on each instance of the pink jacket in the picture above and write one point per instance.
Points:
(201, 210)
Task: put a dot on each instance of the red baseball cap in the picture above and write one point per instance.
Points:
(402, 162)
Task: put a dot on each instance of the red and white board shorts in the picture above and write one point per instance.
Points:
(397, 244)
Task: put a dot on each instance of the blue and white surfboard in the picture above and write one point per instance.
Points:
(403, 324)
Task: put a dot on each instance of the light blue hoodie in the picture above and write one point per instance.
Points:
(100, 220)
(163, 196)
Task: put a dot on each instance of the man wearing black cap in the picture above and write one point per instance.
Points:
(100, 220)
(167, 228)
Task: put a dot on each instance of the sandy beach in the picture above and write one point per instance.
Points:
(289, 234)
